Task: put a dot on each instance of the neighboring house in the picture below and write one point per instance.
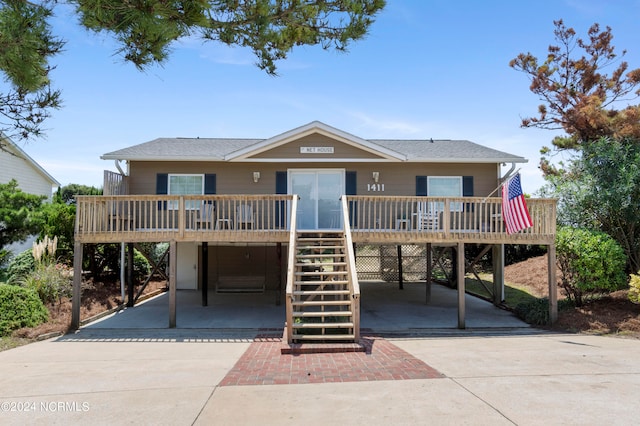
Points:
(269, 214)
(31, 177)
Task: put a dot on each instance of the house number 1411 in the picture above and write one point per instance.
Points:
(375, 187)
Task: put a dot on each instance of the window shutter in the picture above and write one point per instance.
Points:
(281, 182)
(351, 183)
(281, 188)
(351, 188)
(422, 189)
(162, 183)
(467, 191)
(467, 186)
(162, 188)
(209, 184)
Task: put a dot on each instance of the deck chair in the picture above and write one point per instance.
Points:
(206, 215)
(119, 217)
(428, 217)
(244, 216)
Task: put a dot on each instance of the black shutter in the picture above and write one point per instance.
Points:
(162, 188)
(467, 191)
(209, 184)
(351, 183)
(351, 188)
(162, 184)
(422, 189)
(281, 182)
(281, 188)
(467, 186)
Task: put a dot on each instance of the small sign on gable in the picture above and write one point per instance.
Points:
(316, 150)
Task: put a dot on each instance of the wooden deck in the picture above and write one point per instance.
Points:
(265, 218)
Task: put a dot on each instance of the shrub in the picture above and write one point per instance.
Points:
(141, 266)
(634, 288)
(20, 266)
(50, 281)
(536, 311)
(590, 262)
(20, 307)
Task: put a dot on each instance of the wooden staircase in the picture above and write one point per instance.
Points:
(322, 301)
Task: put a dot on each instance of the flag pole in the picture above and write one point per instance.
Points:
(504, 180)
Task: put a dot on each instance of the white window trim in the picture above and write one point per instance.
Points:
(455, 207)
(173, 205)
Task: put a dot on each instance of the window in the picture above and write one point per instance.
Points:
(186, 185)
(445, 186)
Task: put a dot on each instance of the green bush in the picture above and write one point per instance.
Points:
(634, 288)
(536, 311)
(141, 267)
(20, 307)
(20, 266)
(590, 262)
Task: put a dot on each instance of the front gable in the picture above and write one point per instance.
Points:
(315, 142)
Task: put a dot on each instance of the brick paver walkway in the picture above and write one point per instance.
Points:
(263, 364)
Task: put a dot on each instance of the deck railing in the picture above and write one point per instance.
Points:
(189, 217)
(291, 266)
(247, 218)
(442, 219)
(354, 285)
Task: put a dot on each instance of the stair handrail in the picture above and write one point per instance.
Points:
(291, 262)
(354, 285)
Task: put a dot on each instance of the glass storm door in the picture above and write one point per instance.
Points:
(319, 191)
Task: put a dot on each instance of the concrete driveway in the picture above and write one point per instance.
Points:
(173, 377)
(215, 369)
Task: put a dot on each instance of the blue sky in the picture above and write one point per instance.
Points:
(428, 69)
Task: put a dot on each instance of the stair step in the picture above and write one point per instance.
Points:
(301, 264)
(308, 314)
(323, 239)
(320, 242)
(320, 248)
(324, 337)
(320, 255)
(321, 282)
(321, 303)
(323, 325)
(321, 292)
(305, 273)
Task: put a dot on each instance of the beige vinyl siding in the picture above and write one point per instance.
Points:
(237, 178)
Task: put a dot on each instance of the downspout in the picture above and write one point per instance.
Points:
(509, 173)
(117, 163)
(122, 248)
(502, 181)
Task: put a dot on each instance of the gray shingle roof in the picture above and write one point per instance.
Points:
(217, 149)
(187, 149)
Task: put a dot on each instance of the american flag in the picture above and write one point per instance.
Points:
(514, 208)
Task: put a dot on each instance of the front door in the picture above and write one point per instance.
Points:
(319, 206)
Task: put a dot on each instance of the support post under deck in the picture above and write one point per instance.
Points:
(461, 287)
(205, 273)
(400, 280)
(553, 284)
(429, 259)
(77, 285)
(497, 256)
(173, 258)
(130, 275)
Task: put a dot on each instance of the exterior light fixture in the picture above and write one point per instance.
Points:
(256, 176)
(376, 176)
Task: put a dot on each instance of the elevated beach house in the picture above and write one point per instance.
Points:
(284, 214)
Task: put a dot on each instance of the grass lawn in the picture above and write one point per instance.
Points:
(513, 294)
